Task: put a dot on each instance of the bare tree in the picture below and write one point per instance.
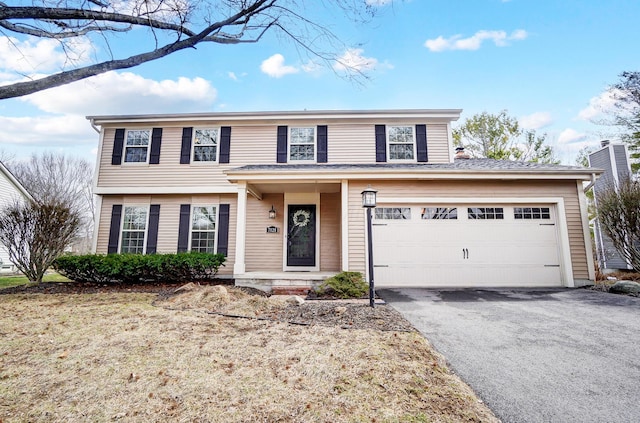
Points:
(173, 25)
(53, 178)
(35, 234)
(619, 215)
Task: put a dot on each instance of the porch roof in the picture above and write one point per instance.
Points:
(459, 169)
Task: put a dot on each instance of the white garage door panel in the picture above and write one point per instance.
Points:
(466, 252)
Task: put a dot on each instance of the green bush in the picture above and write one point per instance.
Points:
(344, 285)
(137, 268)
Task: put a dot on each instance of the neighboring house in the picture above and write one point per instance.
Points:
(614, 159)
(10, 191)
(211, 182)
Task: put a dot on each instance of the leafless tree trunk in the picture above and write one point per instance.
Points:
(35, 234)
(173, 25)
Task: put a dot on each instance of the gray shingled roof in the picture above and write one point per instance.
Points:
(458, 164)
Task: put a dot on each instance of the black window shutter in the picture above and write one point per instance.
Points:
(282, 144)
(421, 143)
(114, 229)
(152, 232)
(183, 228)
(381, 143)
(118, 145)
(322, 144)
(156, 141)
(223, 229)
(225, 144)
(185, 151)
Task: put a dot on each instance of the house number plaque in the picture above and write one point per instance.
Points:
(272, 229)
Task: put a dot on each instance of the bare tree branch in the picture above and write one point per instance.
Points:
(172, 25)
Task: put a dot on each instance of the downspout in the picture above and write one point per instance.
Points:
(93, 125)
(591, 184)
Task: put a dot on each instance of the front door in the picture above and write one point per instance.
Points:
(301, 235)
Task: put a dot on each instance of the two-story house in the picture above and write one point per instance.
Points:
(279, 193)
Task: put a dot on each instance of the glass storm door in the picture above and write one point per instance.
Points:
(301, 236)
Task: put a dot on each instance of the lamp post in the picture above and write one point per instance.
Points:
(369, 202)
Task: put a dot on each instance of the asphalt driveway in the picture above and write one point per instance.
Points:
(569, 355)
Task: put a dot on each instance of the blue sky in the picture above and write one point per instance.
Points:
(549, 63)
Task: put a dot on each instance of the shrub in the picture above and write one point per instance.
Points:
(344, 285)
(137, 268)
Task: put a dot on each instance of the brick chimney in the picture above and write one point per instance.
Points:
(460, 154)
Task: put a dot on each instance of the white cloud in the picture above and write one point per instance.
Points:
(34, 55)
(274, 67)
(600, 105)
(232, 75)
(353, 59)
(571, 136)
(456, 42)
(378, 2)
(536, 120)
(46, 130)
(125, 93)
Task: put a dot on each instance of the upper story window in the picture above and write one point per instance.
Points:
(205, 145)
(401, 142)
(203, 229)
(137, 146)
(134, 229)
(302, 144)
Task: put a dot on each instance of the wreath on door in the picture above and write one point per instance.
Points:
(301, 218)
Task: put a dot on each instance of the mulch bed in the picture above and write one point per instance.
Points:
(354, 314)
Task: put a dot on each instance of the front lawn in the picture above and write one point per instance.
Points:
(15, 280)
(116, 356)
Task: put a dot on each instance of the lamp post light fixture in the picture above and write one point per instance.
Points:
(369, 202)
(272, 213)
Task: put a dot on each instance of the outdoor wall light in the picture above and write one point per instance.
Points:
(369, 197)
(272, 213)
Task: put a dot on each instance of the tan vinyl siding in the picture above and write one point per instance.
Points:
(347, 143)
(169, 173)
(263, 251)
(458, 189)
(169, 220)
(438, 143)
(351, 143)
(330, 218)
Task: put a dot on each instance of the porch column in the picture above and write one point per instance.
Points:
(241, 228)
(344, 227)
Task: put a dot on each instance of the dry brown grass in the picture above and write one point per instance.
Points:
(106, 357)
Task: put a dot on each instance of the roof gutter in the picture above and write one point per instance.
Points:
(93, 124)
(592, 183)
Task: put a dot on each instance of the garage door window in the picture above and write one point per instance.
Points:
(440, 213)
(393, 213)
(531, 213)
(488, 213)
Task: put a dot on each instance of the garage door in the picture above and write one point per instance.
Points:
(466, 245)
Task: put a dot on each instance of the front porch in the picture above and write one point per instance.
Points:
(282, 282)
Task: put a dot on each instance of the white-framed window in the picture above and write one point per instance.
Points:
(393, 213)
(302, 144)
(531, 213)
(485, 213)
(205, 144)
(439, 213)
(134, 229)
(401, 143)
(203, 228)
(136, 146)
